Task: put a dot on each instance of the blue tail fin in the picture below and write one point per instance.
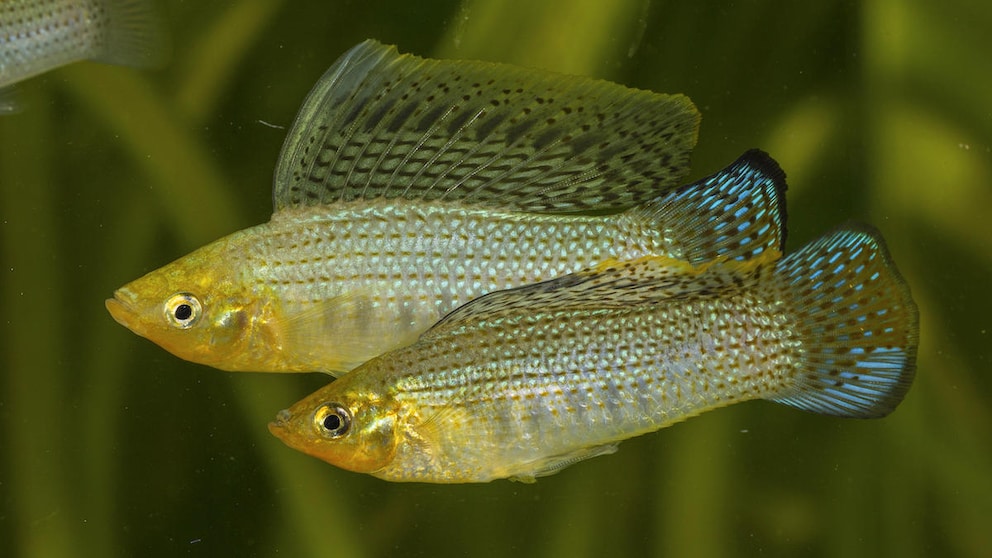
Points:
(856, 321)
(737, 213)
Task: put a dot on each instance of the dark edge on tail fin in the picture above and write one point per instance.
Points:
(770, 167)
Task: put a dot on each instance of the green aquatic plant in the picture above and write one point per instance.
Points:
(108, 446)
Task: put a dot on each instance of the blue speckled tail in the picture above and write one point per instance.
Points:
(857, 322)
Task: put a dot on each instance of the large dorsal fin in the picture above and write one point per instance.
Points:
(383, 125)
(610, 285)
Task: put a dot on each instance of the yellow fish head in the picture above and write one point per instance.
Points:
(355, 430)
(197, 309)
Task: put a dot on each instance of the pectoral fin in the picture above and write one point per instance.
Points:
(8, 101)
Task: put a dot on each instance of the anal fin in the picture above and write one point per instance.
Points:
(551, 465)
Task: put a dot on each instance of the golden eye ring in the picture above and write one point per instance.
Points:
(182, 310)
(332, 420)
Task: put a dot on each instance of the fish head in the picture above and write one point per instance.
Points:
(351, 428)
(197, 308)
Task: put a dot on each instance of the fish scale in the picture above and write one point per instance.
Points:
(399, 280)
(467, 251)
(523, 382)
(630, 371)
(38, 35)
(408, 186)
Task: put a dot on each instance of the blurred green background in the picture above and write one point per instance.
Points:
(879, 111)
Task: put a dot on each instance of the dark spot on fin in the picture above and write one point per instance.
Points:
(381, 124)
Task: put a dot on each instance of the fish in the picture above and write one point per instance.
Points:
(408, 186)
(40, 35)
(524, 382)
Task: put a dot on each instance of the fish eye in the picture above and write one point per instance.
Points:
(182, 310)
(332, 420)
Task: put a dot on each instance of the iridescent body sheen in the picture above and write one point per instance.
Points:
(521, 383)
(409, 186)
(39, 35)
(327, 292)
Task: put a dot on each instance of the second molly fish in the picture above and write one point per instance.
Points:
(409, 186)
(521, 383)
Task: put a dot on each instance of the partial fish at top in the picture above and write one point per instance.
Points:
(40, 35)
(409, 186)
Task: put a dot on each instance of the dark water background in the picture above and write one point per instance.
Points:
(879, 111)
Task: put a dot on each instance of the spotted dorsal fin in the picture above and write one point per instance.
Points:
(383, 125)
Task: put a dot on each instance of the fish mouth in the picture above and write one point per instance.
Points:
(282, 419)
(278, 426)
(121, 307)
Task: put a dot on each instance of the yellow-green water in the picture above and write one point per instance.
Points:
(878, 111)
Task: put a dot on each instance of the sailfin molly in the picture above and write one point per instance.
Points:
(328, 290)
(366, 250)
(518, 390)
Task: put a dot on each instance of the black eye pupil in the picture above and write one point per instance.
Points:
(332, 422)
(183, 312)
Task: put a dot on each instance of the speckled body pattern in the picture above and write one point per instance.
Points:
(38, 35)
(523, 382)
(532, 389)
(407, 186)
(317, 290)
(350, 286)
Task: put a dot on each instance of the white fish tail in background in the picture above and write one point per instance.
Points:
(39, 35)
